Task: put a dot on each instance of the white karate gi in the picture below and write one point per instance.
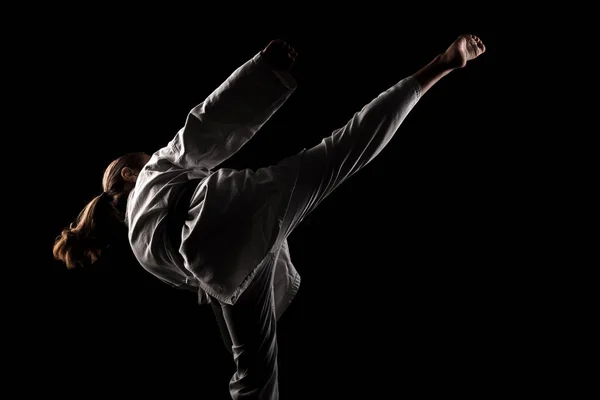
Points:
(233, 243)
(214, 131)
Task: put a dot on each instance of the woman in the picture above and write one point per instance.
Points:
(222, 232)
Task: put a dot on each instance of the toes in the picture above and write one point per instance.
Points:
(477, 42)
(473, 42)
(481, 45)
(474, 38)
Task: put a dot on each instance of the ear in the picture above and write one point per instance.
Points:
(128, 174)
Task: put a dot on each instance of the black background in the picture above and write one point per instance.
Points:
(410, 279)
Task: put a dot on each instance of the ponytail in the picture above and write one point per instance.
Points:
(101, 221)
(84, 241)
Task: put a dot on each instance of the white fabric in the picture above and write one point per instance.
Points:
(234, 215)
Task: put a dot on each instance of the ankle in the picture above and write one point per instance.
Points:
(443, 63)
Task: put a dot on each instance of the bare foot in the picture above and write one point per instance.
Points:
(463, 49)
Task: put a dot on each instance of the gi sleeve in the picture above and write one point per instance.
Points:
(230, 116)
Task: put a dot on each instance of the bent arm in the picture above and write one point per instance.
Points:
(219, 126)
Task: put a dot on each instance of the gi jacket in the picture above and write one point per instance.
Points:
(234, 216)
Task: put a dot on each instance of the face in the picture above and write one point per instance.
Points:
(130, 175)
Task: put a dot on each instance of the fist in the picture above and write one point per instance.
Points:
(279, 55)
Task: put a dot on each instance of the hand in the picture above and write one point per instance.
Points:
(279, 55)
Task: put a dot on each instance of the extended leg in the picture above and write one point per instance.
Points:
(353, 146)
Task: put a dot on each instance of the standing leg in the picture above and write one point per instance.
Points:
(252, 329)
(218, 312)
(353, 146)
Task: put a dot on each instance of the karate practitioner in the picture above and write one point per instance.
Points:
(222, 232)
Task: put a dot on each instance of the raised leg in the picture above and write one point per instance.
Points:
(354, 145)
